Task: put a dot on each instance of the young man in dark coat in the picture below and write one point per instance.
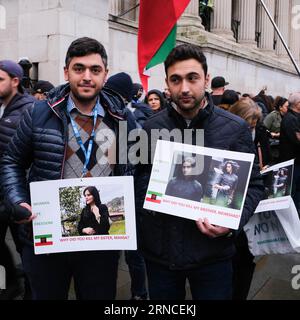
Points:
(50, 142)
(13, 103)
(13, 100)
(176, 249)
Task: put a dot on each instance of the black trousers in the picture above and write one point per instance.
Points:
(243, 269)
(94, 274)
(6, 258)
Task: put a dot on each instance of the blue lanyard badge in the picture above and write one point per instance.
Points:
(87, 153)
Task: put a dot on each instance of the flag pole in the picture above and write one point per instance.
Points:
(281, 37)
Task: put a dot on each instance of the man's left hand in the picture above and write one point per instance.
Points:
(211, 230)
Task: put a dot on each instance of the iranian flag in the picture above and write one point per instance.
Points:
(153, 196)
(157, 32)
(43, 240)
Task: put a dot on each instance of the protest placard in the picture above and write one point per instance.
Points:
(195, 182)
(83, 214)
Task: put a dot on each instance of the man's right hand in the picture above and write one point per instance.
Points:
(21, 215)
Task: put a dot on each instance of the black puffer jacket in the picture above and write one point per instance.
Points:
(177, 242)
(11, 117)
(41, 140)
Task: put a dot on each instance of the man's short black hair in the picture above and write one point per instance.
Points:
(84, 46)
(185, 52)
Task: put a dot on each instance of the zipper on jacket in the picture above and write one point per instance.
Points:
(65, 137)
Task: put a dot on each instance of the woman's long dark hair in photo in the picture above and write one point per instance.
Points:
(95, 193)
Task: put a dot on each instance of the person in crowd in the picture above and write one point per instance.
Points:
(177, 249)
(273, 120)
(264, 102)
(247, 109)
(166, 94)
(14, 102)
(137, 92)
(289, 145)
(94, 218)
(218, 85)
(155, 99)
(137, 272)
(52, 143)
(41, 89)
(185, 185)
(121, 83)
(10, 214)
(229, 98)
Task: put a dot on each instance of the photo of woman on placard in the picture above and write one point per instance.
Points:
(94, 219)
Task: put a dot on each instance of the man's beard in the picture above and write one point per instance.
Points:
(196, 105)
(5, 94)
(82, 99)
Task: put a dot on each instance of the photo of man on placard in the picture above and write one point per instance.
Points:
(184, 183)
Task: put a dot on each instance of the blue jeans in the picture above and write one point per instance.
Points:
(208, 282)
(137, 271)
(94, 273)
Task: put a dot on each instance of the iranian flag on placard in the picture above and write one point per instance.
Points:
(157, 32)
(43, 240)
(153, 196)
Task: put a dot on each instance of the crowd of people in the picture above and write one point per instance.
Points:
(38, 126)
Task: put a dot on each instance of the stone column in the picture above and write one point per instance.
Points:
(265, 26)
(190, 17)
(115, 7)
(247, 26)
(283, 23)
(221, 18)
(119, 7)
(295, 36)
(129, 5)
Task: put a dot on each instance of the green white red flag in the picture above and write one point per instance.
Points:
(157, 32)
(43, 240)
(153, 196)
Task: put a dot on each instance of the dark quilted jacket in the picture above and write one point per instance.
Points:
(40, 143)
(177, 242)
(11, 117)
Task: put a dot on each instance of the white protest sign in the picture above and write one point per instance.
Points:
(195, 182)
(70, 219)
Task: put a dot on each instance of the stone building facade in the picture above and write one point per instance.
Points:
(238, 39)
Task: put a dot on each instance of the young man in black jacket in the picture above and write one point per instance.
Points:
(176, 249)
